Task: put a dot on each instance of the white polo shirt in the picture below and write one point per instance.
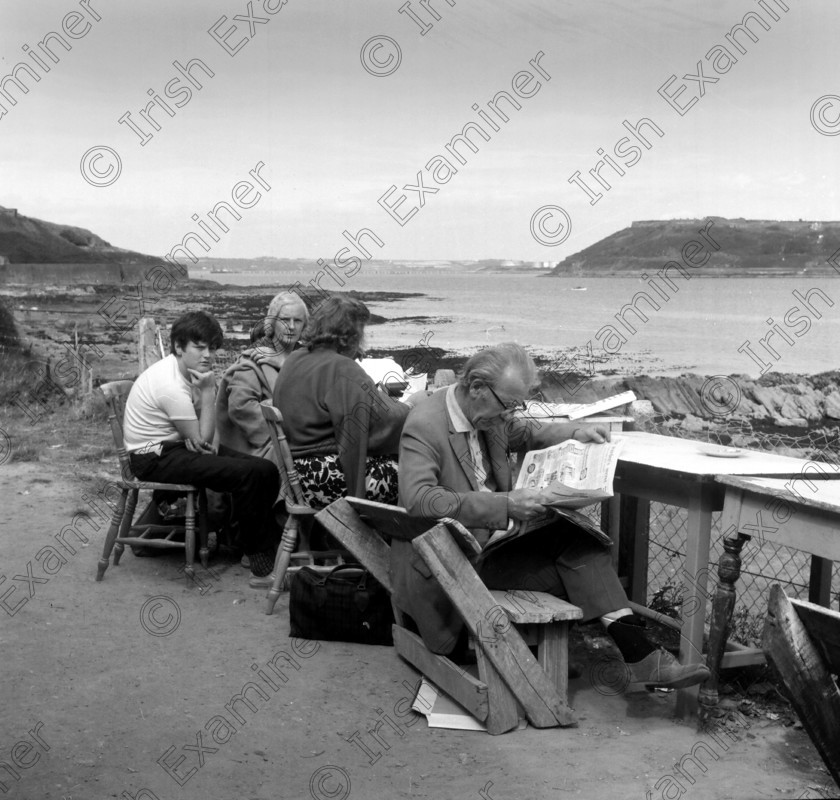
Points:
(161, 394)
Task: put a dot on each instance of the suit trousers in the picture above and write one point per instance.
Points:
(254, 483)
(561, 560)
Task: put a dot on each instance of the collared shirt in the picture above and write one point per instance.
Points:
(477, 454)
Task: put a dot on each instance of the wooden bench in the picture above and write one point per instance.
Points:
(509, 677)
(802, 645)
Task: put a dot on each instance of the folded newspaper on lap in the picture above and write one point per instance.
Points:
(570, 475)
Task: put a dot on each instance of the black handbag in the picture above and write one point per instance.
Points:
(349, 607)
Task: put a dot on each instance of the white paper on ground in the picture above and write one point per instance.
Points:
(441, 711)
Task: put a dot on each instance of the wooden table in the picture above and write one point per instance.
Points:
(679, 472)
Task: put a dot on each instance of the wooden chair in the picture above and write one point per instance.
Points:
(509, 676)
(300, 512)
(802, 645)
(122, 531)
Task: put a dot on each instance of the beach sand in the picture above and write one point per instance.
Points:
(121, 671)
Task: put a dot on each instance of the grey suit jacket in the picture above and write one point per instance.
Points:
(437, 480)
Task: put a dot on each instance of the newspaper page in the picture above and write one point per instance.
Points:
(570, 475)
(571, 469)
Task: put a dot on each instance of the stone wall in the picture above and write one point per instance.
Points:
(70, 274)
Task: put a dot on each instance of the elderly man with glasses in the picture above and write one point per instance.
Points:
(455, 462)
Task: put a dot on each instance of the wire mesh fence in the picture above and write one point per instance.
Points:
(763, 563)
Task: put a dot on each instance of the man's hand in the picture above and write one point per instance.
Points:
(203, 381)
(592, 433)
(524, 504)
(195, 445)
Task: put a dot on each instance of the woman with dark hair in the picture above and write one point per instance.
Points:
(343, 432)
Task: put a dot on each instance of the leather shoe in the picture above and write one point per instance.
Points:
(261, 582)
(660, 670)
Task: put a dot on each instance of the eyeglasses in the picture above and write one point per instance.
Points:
(509, 407)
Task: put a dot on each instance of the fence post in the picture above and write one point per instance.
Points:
(147, 348)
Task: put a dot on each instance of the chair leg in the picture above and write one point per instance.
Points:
(110, 538)
(502, 708)
(284, 555)
(203, 552)
(553, 655)
(125, 525)
(189, 539)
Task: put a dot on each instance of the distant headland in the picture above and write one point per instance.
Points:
(734, 248)
(36, 252)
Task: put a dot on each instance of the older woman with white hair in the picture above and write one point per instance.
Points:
(250, 380)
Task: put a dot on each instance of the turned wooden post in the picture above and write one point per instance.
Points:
(729, 570)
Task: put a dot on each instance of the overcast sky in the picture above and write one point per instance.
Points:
(334, 137)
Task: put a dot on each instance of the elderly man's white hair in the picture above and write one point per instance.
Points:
(489, 365)
(277, 302)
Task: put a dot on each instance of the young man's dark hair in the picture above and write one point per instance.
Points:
(196, 326)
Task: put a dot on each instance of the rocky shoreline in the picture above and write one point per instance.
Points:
(53, 319)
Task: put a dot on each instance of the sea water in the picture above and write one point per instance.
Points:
(698, 328)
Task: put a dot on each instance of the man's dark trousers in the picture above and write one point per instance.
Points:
(254, 483)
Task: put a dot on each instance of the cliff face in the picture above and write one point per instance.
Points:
(70, 274)
(746, 247)
(26, 240)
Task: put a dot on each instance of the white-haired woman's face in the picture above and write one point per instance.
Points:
(288, 325)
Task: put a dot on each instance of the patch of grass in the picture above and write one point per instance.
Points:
(746, 627)
(62, 436)
(24, 451)
(91, 408)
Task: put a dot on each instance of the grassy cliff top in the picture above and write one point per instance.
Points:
(747, 247)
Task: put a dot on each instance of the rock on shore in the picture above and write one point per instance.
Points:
(784, 400)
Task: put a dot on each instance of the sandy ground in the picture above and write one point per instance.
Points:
(106, 686)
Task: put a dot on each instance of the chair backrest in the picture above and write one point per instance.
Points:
(394, 522)
(366, 529)
(116, 393)
(289, 481)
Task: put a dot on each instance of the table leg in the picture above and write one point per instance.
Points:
(613, 527)
(696, 570)
(629, 527)
(729, 570)
(819, 585)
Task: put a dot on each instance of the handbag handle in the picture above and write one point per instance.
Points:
(362, 585)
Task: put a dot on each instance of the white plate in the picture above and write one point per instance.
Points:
(722, 452)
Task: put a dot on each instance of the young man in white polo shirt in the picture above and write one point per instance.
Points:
(169, 423)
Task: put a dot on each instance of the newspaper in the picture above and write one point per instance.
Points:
(573, 411)
(570, 475)
(571, 470)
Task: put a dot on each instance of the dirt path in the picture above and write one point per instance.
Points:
(109, 681)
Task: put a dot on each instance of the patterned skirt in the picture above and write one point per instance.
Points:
(323, 482)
